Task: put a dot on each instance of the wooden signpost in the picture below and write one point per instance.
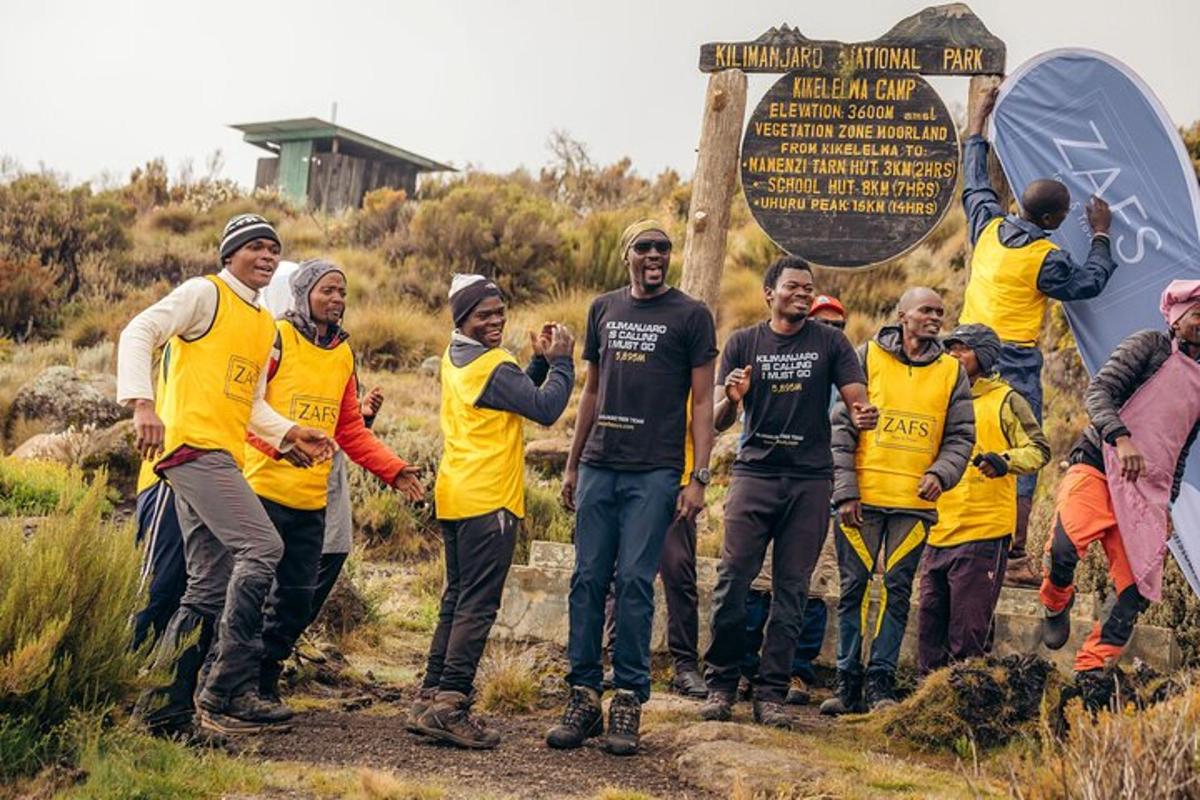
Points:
(851, 158)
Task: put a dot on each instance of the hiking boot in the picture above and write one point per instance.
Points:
(772, 714)
(1024, 571)
(1096, 688)
(717, 708)
(848, 698)
(1056, 626)
(448, 719)
(689, 684)
(881, 690)
(624, 719)
(798, 693)
(244, 713)
(268, 681)
(421, 702)
(581, 720)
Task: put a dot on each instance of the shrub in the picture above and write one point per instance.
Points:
(28, 295)
(177, 219)
(38, 488)
(66, 597)
(389, 336)
(545, 518)
(385, 213)
(509, 680)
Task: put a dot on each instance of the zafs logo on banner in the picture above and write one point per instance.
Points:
(1086, 119)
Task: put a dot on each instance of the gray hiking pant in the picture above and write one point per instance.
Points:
(231, 549)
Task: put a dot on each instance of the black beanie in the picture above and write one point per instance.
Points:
(468, 291)
(243, 229)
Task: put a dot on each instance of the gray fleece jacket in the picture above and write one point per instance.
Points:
(958, 432)
(539, 393)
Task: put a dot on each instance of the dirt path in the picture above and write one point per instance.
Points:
(523, 766)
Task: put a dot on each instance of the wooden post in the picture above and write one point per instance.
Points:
(713, 186)
(979, 85)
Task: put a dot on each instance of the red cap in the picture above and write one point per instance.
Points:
(827, 301)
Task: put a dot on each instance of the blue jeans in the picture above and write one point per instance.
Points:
(1021, 368)
(620, 525)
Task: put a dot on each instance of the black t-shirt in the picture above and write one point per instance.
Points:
(786, 429)
(645, 351)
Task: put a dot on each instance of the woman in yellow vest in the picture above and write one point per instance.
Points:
(481, 492)
(886, 485)
(1015, 271)
(214, 380)
(311, 380)
(963, 568)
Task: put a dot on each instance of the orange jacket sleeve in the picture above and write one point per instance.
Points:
(360, 445)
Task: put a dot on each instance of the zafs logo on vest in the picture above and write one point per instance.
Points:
(241, 379)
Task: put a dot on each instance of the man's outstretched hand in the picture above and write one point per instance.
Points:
(309, 444)
(408, 483)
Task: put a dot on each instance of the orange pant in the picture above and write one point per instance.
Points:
(1084, 514)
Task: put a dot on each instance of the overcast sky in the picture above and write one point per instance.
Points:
(89, 88)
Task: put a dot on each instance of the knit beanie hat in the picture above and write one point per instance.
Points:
(468, 291)
(243, 229)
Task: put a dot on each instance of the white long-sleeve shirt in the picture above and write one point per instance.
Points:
(188, 312)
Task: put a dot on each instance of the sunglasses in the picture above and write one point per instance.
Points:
(661, 245)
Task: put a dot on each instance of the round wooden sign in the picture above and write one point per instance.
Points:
(849, 171)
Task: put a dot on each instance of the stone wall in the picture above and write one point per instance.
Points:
(534, 607)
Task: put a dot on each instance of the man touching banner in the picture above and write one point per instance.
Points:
(1086, 120)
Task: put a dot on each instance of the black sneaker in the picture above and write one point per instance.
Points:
(767, 712)
(689, 684)
(1056, 625)
(798, 694)
(624, 720)
(448, 719)
(422, 702)
(848, 699)
(881, 690)
(717, 708)
(581, 720)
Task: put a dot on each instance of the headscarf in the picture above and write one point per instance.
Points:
(468, 291)
(637, 229)
(300, 314)
(982, 340)
(1178, 298)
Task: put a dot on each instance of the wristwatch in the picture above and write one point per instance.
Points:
(702, 476)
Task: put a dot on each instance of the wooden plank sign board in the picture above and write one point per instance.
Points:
(849, 169)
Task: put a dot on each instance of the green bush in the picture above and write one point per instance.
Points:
(28, 295)
(67, 594)
(37, 488)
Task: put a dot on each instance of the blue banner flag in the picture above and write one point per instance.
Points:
(1084, 118)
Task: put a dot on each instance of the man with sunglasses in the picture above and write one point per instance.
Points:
(783, 370)
(647, 346)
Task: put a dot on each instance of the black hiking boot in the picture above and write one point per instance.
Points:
(689, 684)
(244, 713)
(798, 694)
(624, 720)
(420, 704)
(881, 690)
(1097, 688)
(268, 681)
(717, 708)
(772, 714)
(448, 719)
(1056, 626)
(848, 699)
(581, 720)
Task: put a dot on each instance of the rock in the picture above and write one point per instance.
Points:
(548, 455)
(63, 397)
(113, 449)
(66, 447)
(431, 366)
(718, 766)
(721, 732)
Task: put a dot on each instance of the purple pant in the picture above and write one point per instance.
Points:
(959, 589)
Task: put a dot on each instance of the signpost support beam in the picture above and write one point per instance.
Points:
(978, 87)
(713, 185)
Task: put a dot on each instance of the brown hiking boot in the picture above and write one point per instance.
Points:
(717, 708)
(1024, 571)
(772, 714)
(448, 719)
(624, 721)
(798, 694)
(421, 703)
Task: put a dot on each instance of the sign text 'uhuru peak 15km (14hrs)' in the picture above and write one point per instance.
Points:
(848, 170)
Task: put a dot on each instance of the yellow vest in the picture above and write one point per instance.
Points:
(1002, 292)
(912, 403)
(483, 450)
(307, 388)
(980, 508)
(210, 381)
